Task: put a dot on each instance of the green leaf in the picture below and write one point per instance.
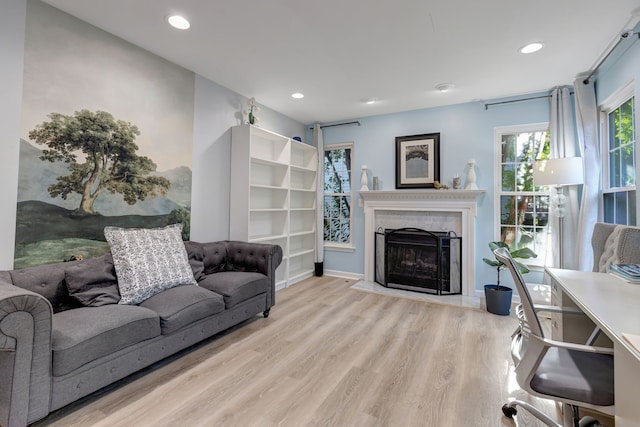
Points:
(495, 245)
(523, 269)
(518, 253)
(492, 262)
(523, 253)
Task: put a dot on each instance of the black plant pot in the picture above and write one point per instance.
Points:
(498, 299)
(319, 268)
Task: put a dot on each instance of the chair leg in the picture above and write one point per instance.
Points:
(509, 410)
(584, 421)
(575, 412)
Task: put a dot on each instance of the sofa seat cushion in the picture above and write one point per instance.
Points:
(85, 334)
(236, 286)
(181, 306)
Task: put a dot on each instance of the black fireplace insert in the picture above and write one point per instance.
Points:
(419, 260)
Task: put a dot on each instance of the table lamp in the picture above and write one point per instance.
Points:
(558, 173)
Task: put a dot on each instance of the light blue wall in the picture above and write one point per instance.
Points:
(466, 131)
(617, 73)
(620, 70)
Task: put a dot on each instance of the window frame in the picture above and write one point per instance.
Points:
(535, 264)
(613, 102)
(336, 246)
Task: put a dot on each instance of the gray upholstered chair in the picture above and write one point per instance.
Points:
(613, 244)
(574, 374)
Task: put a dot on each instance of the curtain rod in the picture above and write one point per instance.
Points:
(487, 105)
(623, 36)
(339, 124)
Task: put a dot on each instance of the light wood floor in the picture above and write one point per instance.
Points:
(330, 356)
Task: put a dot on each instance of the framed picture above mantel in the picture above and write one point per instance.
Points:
(417, 160)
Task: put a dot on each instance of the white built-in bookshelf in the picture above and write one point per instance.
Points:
(273, 197)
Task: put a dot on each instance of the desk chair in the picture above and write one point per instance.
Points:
(574, 374)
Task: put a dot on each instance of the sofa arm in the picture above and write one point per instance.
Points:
(260, 257)
(25, 354)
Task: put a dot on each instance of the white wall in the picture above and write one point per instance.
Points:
(216, 109)
(12, 24)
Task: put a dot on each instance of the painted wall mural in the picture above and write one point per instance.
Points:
(106, 139)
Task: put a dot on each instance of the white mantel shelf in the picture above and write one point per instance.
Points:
(421, 194)
(463, 202)
(435, 199)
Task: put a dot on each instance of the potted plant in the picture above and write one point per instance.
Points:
(498, 297)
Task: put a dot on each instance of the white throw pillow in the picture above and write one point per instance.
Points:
(148, 261)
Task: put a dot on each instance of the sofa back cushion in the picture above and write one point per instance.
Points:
(49, 281)
(242, 256)
(93, 281)
(196, 258)
(215, 257)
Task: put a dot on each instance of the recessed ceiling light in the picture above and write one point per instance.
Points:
(445, 87)
(179, 22)
(531, 47)
(370, 101)
(297, 95)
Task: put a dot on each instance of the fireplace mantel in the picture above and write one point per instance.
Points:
(461, 202)
(412, 197)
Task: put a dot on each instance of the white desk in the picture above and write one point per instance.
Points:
(613, 305)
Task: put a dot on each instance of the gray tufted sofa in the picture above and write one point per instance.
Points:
(613, 244)
(54, 350)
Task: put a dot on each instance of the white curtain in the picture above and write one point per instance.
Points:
(563, 145)
(589, 143)
(319, 144)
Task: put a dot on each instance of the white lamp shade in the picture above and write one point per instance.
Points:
(564, 171)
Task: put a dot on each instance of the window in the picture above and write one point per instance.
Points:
(619, 168)
(338, 195)
(523, 209)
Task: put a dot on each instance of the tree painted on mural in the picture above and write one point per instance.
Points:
(337, 200)
(101, 155)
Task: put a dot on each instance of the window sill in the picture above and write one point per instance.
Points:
(339, 248)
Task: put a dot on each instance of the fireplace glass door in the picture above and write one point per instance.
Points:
(419, 260)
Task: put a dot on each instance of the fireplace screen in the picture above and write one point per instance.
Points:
(419, 260)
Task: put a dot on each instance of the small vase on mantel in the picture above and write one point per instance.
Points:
(364, 179)
(471, 176)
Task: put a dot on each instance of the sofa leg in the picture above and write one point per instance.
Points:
(266, 313)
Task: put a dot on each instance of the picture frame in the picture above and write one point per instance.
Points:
(417, 160)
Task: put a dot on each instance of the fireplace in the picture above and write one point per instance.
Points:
(434, 210)
(419, 260)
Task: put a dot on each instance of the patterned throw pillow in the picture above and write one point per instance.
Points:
(148, 261)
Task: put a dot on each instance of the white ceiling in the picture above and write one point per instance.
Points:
(338, 52)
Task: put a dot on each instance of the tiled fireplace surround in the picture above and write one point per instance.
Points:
(431, 210)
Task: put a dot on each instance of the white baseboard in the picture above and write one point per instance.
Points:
(344, 274)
